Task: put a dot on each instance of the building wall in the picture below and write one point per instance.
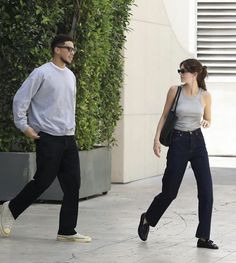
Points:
(221, 137)
(155, 46)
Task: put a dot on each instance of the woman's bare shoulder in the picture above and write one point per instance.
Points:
(172, 90)
(206, 93)
(171, 93)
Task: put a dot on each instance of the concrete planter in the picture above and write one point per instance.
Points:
(16, 169)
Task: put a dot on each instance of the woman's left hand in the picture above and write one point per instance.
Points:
(205, 124)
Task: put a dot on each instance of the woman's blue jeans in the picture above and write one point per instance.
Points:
(185, 146)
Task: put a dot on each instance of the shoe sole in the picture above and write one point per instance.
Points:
(67, 239)
(207, 247)
(2, 233)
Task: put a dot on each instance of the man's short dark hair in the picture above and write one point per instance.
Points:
(60, 40)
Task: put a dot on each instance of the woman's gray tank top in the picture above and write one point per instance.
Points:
(189, 112)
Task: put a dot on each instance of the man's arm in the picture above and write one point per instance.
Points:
(22, 100)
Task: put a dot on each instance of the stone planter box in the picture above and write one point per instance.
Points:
(16, 169)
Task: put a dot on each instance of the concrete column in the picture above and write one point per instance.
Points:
(152, 55)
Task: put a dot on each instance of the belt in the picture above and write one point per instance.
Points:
(196, 132)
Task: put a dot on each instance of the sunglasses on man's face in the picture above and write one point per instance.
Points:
(70, 49)
(182, 70)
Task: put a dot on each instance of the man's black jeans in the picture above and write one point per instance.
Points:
(185, 146)
(56, 156)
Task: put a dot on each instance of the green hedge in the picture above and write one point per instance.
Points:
(26, 30)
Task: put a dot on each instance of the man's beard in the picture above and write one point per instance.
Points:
(64, 61)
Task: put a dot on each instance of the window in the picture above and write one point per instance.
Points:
(216, 36)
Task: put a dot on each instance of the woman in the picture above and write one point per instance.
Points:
(193, 111)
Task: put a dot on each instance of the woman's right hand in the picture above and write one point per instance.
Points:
(157, 148)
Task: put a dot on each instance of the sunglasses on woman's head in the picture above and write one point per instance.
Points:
(182, 70)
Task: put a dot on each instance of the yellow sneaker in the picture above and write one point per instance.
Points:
(6, 220)
(74, 238)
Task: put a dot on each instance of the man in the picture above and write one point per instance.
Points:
(44, 110)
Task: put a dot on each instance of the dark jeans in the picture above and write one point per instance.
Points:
(56, 156)
(185, 146)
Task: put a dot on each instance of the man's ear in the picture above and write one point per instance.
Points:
(56, 50)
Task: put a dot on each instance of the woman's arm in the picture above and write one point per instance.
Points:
(169, 100)
(206, 122)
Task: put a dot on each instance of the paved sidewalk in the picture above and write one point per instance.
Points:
(112, 222)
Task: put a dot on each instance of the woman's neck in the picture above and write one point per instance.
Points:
(191, 89)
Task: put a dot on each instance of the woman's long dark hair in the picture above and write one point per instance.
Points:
(195, 66)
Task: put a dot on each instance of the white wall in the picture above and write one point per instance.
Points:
(221, 136)
(182, 18)
(153, 51)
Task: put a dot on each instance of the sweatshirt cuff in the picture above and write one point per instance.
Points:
(24, 128)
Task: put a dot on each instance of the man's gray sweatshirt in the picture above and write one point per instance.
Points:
(46, 101)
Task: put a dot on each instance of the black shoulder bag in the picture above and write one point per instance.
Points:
(168, 127)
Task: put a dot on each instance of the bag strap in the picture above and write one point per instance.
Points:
(176, 99)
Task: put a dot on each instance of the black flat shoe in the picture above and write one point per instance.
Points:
(143, 229)
(206, 244)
